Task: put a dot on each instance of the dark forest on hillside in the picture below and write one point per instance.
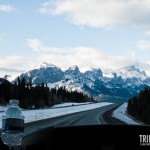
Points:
(39, 96)
(139, 106)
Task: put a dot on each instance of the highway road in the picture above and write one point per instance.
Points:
(91, 117)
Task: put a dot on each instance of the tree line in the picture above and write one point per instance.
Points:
(139, 106)
(38, 96)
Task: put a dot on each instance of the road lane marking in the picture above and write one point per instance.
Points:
(102, 117)
(72, 121)
(98, 117)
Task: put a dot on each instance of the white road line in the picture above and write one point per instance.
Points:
(72, 121)
(98, 117)
(100, 114)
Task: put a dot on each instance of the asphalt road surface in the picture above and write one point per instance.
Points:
(97, 116)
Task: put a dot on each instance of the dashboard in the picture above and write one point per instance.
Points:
(95, 137)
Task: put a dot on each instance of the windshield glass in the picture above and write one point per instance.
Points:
(76, 62)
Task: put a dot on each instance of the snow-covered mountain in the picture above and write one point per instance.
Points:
(126, 72)
(124, 82)
(47, 73)
(131, 72)
(144, 67)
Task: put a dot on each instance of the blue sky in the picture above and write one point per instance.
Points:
(97, 33)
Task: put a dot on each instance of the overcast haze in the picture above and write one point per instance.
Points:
(96, 33)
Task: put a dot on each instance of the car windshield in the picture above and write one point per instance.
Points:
(73, 63)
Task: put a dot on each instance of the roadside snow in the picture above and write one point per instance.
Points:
(69, 104)
(33, 115)
(121, 114)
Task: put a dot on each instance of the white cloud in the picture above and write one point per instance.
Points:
(147, 32)
(37, 46)
(143, 44)
(81, 56)
(102, 13)
(15, 64)
(6, 8)
(62, 57)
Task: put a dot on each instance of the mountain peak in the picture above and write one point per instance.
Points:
(131, 72)
(85, 69)
(126, 81)
(44, 65)
(130, 68)
(75, 68)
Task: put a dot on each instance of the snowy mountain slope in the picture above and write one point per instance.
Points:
(94, 74)
(46, 73)
(145, 67)
(76, 80)
(131, 72)
(124, 82)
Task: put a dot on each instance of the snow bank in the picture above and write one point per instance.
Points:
(33, 115)
(121, 114)
(69, 104)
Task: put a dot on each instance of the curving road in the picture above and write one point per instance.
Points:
(91, 117)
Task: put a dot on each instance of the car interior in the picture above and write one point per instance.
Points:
(94, 137)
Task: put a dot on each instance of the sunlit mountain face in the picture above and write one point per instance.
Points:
(125, 82)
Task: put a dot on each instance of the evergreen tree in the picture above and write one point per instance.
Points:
(139, 106)
(38, 95)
